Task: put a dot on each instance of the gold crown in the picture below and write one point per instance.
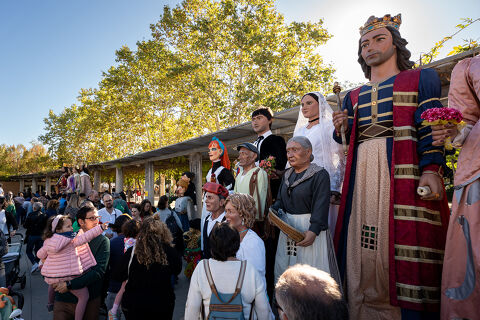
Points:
(374, 23)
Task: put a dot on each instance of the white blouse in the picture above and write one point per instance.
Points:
(252, 249)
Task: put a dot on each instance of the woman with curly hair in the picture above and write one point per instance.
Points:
(240, 212)
(148, 266)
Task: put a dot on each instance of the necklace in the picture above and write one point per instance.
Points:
(313, 120)
(243, 231)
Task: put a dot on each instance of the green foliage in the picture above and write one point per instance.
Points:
(208, 65)
(15, 160)
(451, 161)
(467, 45)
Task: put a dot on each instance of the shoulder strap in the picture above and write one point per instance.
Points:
(253, 182)
(241, 276)
(238, 287)
(254, 186)
(131, 258)
(208, 273)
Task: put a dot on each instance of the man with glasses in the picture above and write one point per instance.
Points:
(109, 214)
(306, 293)
(64, 307)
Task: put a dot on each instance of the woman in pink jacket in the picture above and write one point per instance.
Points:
(66, 255)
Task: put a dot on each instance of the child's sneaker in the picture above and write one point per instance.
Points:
(112, 316)
(50, 307)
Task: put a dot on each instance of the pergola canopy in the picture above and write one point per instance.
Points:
(283, 124)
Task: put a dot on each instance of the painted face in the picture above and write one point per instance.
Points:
(214, 151)
(260, 124)
(67, 226)
(246, 157)
(213, 202)
(377, 47)
(180, 190)
(232, 216)
(297, 155)
(310, 108)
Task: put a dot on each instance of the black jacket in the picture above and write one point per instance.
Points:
(35, 223)
(274, 146)
(149, 288)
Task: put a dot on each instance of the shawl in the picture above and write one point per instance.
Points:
(310, 172)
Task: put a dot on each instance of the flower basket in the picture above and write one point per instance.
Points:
(437, 116)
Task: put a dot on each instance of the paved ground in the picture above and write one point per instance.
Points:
(35, 294)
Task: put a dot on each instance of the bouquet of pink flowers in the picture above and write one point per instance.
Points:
(436, 116)
(268, 165)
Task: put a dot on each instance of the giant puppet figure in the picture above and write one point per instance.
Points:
(219, 172)
(389, 240)
(460, 280)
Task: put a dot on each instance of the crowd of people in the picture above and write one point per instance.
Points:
(328, 225)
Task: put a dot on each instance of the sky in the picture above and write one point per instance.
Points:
(49, 49)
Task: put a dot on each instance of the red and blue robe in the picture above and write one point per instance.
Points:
(417, 228)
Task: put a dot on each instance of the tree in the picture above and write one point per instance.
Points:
(208, 65)
(18, 159)
(467, 45)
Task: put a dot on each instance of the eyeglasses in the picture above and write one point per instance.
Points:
(93, 218)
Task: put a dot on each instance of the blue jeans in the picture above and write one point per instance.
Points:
(34, 244)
